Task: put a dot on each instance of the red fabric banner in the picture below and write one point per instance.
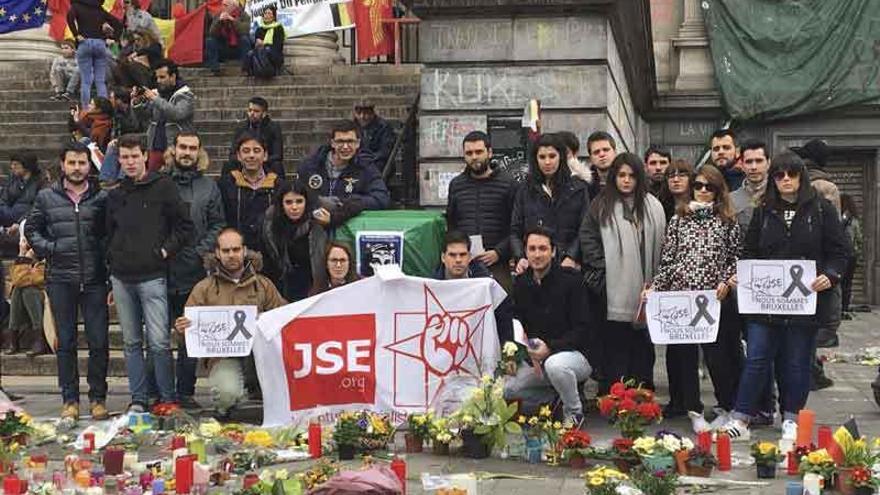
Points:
(189, 38)
(373, 37)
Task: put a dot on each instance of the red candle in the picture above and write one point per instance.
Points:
(315, 439)
(806, 420)
(704, 441)
(824, 437)
(12, 485)
(183, 473)
(113, 461)
(398, 465)
(722, 444)
(88, 442)
(178, 442)
(250, 480)
(793, 463)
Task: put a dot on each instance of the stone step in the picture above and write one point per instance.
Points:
(398, 111)
(361, 90)
(210, 126)
(47, 365)
(237, 102)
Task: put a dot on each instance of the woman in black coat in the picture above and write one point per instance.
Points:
(792, 223)
(551, 199)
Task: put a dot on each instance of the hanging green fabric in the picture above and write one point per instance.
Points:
(780, 58)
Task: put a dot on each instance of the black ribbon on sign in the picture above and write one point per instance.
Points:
(796, 272)
(702, 311)
(239, 318)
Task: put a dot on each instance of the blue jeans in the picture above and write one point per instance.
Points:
(91, 55)
(562, 374)
(65, 300)
(793, 345)
(217, 50)
(145, 304)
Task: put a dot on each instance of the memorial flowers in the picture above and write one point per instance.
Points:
(818, 462)
(630, 409)
(603, 480)
(418, 430)
(511, 355)
(575, 447)
(485, 415)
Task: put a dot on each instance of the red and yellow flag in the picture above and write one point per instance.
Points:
(184, 37)
(373, 37)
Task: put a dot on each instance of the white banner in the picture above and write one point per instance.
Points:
(220, 331)
(776, 287)
(683, 317)
(390, 343)
(302, 17)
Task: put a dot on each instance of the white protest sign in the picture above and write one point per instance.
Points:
(683, 317)
(302, 17)
(220, 331)
(776, 287)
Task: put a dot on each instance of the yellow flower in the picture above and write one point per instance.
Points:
(521, 419)
(557, 425)
(533, 421)
(509, 349)
(25, 417)
(210, 428)
(420, 419)
(260, 438)
(487, 379)
(545, 411)
(766, 448)
(467, 419)
(597, 481)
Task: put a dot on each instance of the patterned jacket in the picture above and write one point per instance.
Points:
(700, 251)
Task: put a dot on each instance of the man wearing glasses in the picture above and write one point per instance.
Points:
(347, 181)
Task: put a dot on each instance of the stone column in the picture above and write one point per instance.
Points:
(320, 49)
(695, 69)
(29, 44)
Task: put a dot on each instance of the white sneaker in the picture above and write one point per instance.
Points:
(698, 422)
(722, 419)
(737, 430)
(789, 430)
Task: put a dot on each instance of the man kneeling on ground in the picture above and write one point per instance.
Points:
(551, 303)
(233, 280)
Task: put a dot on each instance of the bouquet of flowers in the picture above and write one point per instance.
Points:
(818, 462)
(439, 431)
(511, 355)
(630, 408)
(376, 428)
(575, 444)
(603, 480)
(766, 453)
(862, 477)
(541, 425)
(659, 482)
(486, 414)
(15, 424)
(663, 443)
(420, 424)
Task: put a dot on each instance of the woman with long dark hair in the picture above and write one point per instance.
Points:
(551, 199)
(294, 242)
(700, 253)
(675, 190)
(620, 238)
(339, 268)
(793, 222)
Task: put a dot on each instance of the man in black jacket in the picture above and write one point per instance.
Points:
(188, 162)
(66, 227)
(147, 225)
(376, 133)
(346, 181)
(258, 122)
(479, 204)
(456, 263)
(551, 303)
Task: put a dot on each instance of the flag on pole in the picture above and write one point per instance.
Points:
(16, 15)
(373, 37)
(184, 38)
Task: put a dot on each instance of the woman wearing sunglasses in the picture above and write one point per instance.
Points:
(792, 223)
(700, 253)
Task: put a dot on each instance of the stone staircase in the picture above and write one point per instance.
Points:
(306, 104)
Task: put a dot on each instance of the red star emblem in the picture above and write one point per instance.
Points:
(447, 343)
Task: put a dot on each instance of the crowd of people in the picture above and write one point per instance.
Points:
(129, 218)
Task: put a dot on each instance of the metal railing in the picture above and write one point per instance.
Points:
(405, 33)
(401, 164)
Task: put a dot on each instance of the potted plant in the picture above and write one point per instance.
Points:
(862, 481)
(630, 409)
(700, 462)
(441, 435)
(539, 430)
(855, 454)
(662, 482)
(623, 455)
(821, 463)
(377, 431)
(603, 480)
(347, 435)
(766, 455)
(419, 426)
(9, 452)
(657, 452)
(486, 419)
(575, 447)
(676, 445)
(15, 425)
(511, 355)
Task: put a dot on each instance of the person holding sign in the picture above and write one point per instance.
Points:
(700, 253)
(620, 240)
(792, 223)
(232, 281)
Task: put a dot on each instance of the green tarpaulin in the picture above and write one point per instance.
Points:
(423, 232)
(780, 58)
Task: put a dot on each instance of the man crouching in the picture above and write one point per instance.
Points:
(232, 281)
